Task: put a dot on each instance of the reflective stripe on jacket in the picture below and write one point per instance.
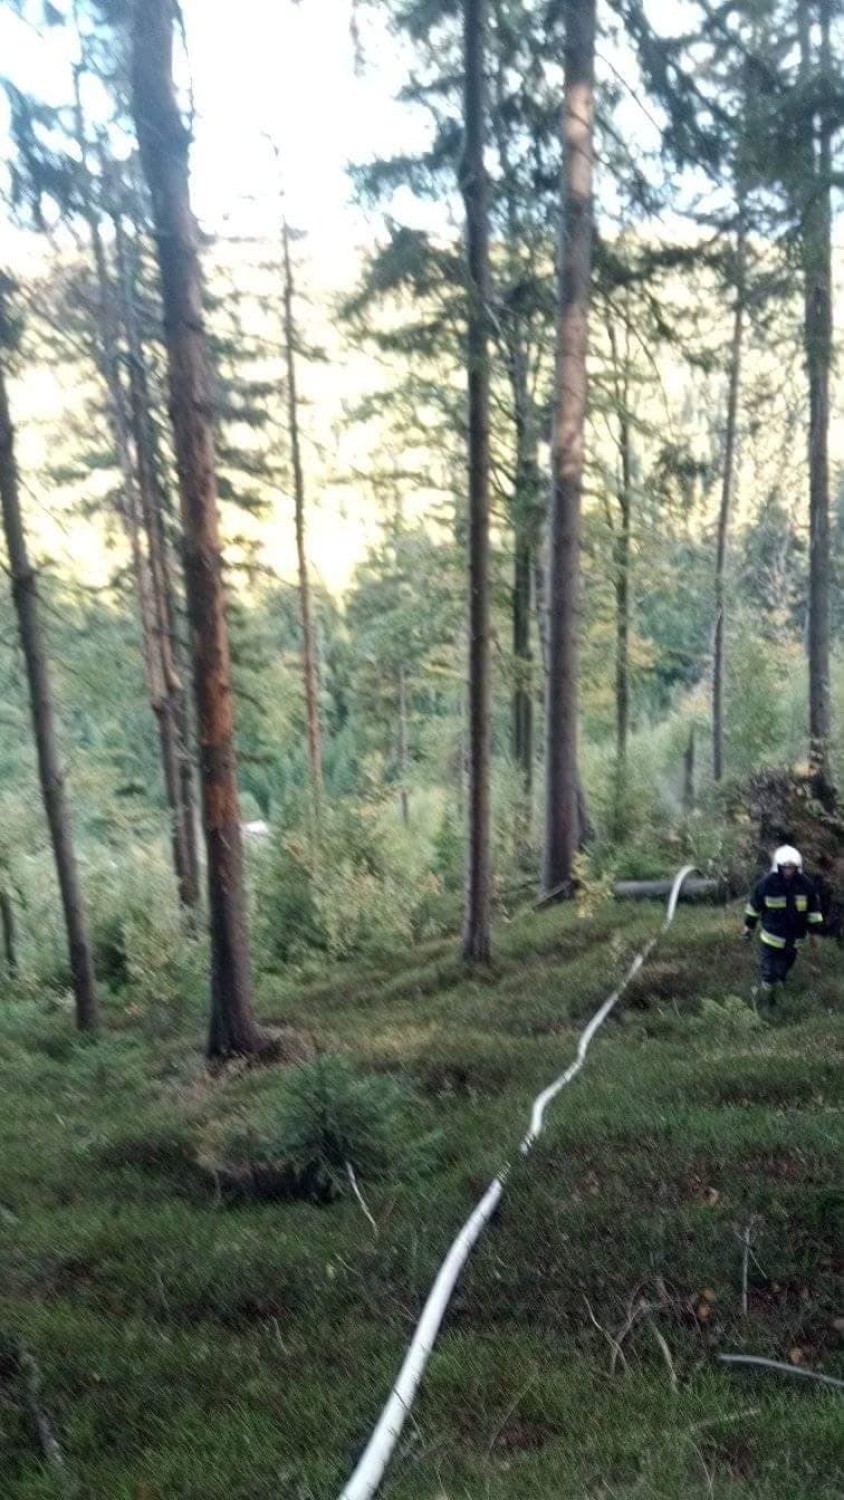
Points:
(787, 909)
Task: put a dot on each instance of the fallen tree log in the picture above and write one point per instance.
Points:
(695, 889)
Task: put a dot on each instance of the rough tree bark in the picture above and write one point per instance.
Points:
(816, 216)
(165, 517)
(10, 936)
(402, 748)
(476, 928)
(622, 554)
(524, 550)
(523, 659)
(164, 145)
(515, 339)
(168, 696)
(157, 659)
(575, 271)
(719, 632)
(309, 657)
(540, 601)
(24, 593)
(622, 611)
(689, 774)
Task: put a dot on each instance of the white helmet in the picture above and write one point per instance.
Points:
(786, 855)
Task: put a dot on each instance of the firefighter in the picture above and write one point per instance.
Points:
(785, 906)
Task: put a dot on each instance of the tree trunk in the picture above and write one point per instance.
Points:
(157, 658)
(540, 600)
(523, 686)
(164, 144)
(702, 889)
(689, 774)
(154, 678)
(622, 619)
(402, 747)
(309, 657)
(168, 702)
(183, 706)
(575, 267)
(816, 216)
(514, 336)
(525, 548)
(462, 752)
(476, 929)
(522, 658)
(718, 642)
(7, 920)
(622, 540)
(24, 593)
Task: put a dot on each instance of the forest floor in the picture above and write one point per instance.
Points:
(194, 1348)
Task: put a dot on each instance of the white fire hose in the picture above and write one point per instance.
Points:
(376, 1456)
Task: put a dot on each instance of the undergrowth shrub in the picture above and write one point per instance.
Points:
(143, 952)
(731, 1016)
(143, 956)
(363, 912)
(370, 886)
(167, 973)
(288, 923)
(710, 841)
(449, 852)
(634, 838)
(756, 709)
(515, 846)
(329, 1118)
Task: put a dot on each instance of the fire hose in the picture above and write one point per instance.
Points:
(377, 1454)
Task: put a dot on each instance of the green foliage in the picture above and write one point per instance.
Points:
(449, 852)
(756, 706)
(403, 618)
(332, 1117)
(361, 884)
(145, 959)
(229, 1346)
(289, 925)
(731, 1016)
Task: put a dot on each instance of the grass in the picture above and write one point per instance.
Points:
(195, 1345)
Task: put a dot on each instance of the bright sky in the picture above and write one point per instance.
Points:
(286, 70)
(271, 67)
(280, 68)
(259, 68)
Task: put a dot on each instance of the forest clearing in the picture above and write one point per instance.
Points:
(421, 689)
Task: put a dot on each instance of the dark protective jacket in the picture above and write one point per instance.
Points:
(787, 909)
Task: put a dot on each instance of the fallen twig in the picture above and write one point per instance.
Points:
(31, 1375)
(745, 1269)
(350, 1172)
(753, 1361)
(666, 1354)
(745, 1262)
(727, 1417)
(549, 897)
(618, 1352)
(702, 1461)
(636, 1307)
